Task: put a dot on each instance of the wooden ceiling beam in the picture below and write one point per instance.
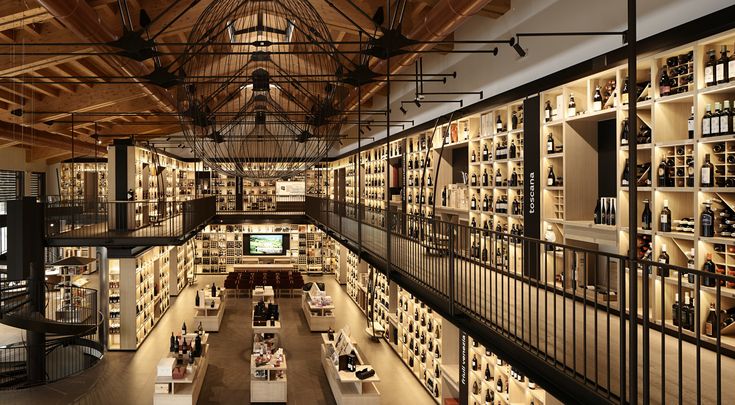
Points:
(18, 14)
(87, 100)
(37, 87)
(36, 153)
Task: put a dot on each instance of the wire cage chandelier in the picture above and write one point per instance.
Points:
(258, 95)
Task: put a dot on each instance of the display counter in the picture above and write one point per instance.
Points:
(346, 386)
(185, 390)
(265, 294)
(318, 309)
(210, 310)
(268, 382)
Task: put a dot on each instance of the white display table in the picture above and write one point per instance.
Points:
(266, 295)
(268, 328)
(209, 316)
(170, 391)
(320, 317)
(346, 387)
(268, 382)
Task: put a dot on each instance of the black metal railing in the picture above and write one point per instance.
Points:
(566, 306)
(262, 204)
(126, 219)
(71, 320)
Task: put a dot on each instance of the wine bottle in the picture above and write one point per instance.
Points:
(721, 68)
(514, 178)
(485, 153)
(474, 362)
(663, 174)
(712, 325)
(551, 179)
(685, 319)
(498, 178)
(707, 121)
(726, 119)
(196, 299)
(489, 397)
(663, 257)
(172, 344)
(488, 376)
(624, 132)
(485, 181)
(611, 212)
(707, 221)
(473, 203)
(547, 111)
(625, 178)
(647, 216)
(664, 224)
(512, 151)
(709, 69)
(473, 159)
(675, 314)
(664, 83)
(708, 267)
(690, 124)
(707, 172)
(549, 144)
(597, 100)
(624, 93)
(572, 107)
(598, 213)
(715, 121)
(498, 124)
(444, 196)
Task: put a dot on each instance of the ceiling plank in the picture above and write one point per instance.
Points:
(86, 100)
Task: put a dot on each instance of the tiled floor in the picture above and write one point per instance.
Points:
(127, 377)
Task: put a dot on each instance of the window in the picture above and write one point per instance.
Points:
(11, 185)
(38, 184)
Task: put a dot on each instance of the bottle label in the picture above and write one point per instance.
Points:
(720, 72)
(597, 106)
(709, 74)
(706, 175)
(708, 329)
(664, 219)
(572, 112)
(715, 126)
(547, 114)
(551, 181)
(690, 125)
(724, 123)
(706, 126)
(731, 69)
(550, 146)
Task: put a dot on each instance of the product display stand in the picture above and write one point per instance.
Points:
(268, 381)
(209, 315)
(179, 391)
(346, 387)
(318, 309)
(265, 294)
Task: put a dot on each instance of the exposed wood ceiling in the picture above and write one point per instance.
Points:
(42, 84)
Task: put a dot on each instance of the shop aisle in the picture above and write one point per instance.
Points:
(127, 377)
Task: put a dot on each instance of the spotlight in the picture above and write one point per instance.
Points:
(417, 102)
(515, 43)
(368, 128)
(403, 110)
(361, 132)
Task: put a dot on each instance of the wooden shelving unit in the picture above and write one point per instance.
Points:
(138, 296)
(83, 180)
(493, 380)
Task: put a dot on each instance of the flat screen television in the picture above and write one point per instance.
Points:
(267, 244)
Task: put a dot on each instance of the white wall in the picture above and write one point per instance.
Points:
(14, 158)
(545, 55)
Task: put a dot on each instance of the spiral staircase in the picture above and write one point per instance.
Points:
(68, 322)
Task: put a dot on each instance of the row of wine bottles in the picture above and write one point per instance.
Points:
(665, 223)
(499, 181)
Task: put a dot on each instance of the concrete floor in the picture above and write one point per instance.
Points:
(127, 377)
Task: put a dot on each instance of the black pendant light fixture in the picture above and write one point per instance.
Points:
(243, 109)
